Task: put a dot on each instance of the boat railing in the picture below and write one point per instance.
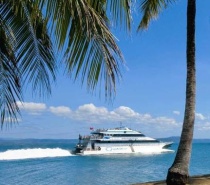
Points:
(101, 130)
(84, 137)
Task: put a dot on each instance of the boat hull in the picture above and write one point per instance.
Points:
(149, 148)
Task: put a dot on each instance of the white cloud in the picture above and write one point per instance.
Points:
(90, 109)
(60, 111)
(200, 116)
(31, 107)
(176, 112)
(90, 113)
(203, 127)
(164, 120)
(126, 112)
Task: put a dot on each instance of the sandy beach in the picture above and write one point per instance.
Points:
(194, 180)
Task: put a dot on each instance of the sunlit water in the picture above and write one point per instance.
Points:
(44, 162)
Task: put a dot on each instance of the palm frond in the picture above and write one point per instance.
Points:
(36, 56)
(92, 50)
(10, 90)
(81, 30)
(9, 75)
(150, 10)
(120, 12)
(26, 53)
(34, 51)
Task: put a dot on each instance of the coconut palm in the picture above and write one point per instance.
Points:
(33, 32)
(178, 173)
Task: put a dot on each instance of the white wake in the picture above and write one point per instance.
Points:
(153, 152)
(34, 153)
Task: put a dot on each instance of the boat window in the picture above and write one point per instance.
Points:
(128, 135)
(128, 141)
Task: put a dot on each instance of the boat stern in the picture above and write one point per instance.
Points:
(167, 145)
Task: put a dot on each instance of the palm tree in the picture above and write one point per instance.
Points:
(33, 32)
(178, 173)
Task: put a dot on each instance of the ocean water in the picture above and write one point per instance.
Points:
(50, 162)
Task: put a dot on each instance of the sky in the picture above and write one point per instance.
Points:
(151, 96)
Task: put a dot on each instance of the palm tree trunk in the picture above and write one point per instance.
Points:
(178, 173)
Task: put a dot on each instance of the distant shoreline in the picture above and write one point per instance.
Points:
(176, 139)
(173, 139)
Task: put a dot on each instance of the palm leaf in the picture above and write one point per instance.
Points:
(31, 48)
(81, 30)
(120, 12)
(36, 56)
(9, 74)
(150, 10)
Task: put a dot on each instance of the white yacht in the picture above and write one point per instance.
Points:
(118, 140)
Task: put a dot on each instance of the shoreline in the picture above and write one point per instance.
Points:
(194, 180)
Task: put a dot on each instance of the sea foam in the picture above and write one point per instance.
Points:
(34, 153)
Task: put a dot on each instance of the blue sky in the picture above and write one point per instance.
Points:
(151, 95)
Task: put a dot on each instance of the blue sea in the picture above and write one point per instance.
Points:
(50, 162)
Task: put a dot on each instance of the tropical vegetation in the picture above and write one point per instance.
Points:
(33, 32)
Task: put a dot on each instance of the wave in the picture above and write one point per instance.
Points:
(167, 151)
(152, 152)
(34, 153)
